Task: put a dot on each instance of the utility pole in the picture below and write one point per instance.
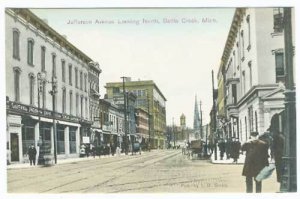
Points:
(201, 131)
(289, 177)
(173, 132)
(125, 116)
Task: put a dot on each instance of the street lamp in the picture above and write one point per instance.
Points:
(53, 93)
(40, 79)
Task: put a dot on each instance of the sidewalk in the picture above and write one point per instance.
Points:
(64, 161)
(241, 159)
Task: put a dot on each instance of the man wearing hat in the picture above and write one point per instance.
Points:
(256, 160)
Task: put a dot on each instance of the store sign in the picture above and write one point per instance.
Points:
(86, 139)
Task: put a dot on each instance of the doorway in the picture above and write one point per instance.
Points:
(14, 139)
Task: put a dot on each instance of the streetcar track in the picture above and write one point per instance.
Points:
(131, 171)
(86, 189)
(165, 184)
(83, 169)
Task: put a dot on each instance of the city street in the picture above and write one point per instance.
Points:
(158, 171)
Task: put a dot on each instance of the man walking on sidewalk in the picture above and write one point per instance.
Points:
(32, 154)
(256, 160)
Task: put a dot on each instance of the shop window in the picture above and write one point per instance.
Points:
(27, 138)
(72, 139)
(60, 140)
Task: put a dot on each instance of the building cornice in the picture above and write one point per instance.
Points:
(253, 90)
(40, 25)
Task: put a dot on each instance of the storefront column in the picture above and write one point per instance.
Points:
(67, 142)
(36, 138)
(78, 139)
(52, 140)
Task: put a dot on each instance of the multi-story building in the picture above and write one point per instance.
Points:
(94, 102)
(142, 126)
(147, 94)
(252, 71)
(38, 61)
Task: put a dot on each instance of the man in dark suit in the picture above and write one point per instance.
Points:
(32, 154)
(256, 160)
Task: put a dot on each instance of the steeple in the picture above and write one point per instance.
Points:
(196, 116)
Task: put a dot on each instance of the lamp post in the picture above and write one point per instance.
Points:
(41, 159)
(125, 117)
(53, 93)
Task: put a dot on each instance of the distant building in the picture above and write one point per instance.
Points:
(147, 94)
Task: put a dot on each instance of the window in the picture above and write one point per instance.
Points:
(71, 102)
(77, 104)
(16, 44)
(53, 64)
(279, 62)
(249, 33)
(76, 77)
(85, 82)
(244, 81)
(243, 45)
(60, 139)
(64, 100)
(234, 62)
(27, 137)
(17, 73)
(43, 58)
(31, 89)
(86, 108)
(278, 20)
(63, 70)
(70, 74)
(80, 79)
(234, 97)
(30, 51)
(72, 139)
(241, 137)
(44, 94)
(81, 106)
(250, 117)
(116, 90)
(250, 72)
(256, 124)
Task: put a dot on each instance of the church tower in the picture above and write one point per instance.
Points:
(196, 117)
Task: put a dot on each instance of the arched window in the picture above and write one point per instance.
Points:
(64, 99)
(43, 58)
(256, 125)
(16, 44)
(30, 44)
(31, 88)
(17, 73)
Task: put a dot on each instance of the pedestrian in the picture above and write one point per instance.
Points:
(222, 146)
(87, 151)
(236, 146)
(277, 145)
(32, 154)
(256, 159)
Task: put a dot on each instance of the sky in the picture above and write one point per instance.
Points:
(177, 48)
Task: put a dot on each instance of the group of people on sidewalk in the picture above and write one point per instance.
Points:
(259, 149)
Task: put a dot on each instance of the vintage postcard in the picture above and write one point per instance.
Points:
(149, 99)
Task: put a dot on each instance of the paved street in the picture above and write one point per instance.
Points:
(163, 171)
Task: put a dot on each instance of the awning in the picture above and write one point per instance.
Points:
(57, 121)
(97, 130)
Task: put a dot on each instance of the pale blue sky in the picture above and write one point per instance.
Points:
(178, 57)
